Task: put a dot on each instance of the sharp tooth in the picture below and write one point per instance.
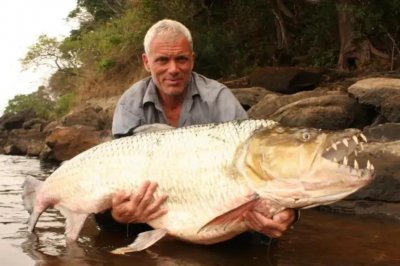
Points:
(361, 146)
(372, 167)
(355, 139)
(363, 137)
(368, 165)
(345, 142)
(334, 146)
(355, 164)
(335, 160)
(345, 160)
(356, 153)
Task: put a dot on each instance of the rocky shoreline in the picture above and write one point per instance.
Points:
(291, 96)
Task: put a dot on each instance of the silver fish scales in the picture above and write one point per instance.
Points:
(211, 173)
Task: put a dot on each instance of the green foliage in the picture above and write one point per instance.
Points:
(44, 51)
(231, 37)
(377, 17)
(317, 33)
(41, 106)
(105, 64)
(64, 104)
(100, 10)
(48, 51)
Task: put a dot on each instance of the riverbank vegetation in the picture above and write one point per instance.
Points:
(231, 38)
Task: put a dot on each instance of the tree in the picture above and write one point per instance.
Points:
(356, 49)
(48, 52)
(39, 102)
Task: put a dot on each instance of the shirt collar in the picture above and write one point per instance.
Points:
(151, 93)
(151, 96)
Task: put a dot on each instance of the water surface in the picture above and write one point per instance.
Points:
(320, 238)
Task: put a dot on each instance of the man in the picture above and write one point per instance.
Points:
(176, 96)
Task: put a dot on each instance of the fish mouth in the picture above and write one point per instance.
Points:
(345, 153)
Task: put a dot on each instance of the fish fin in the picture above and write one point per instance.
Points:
(143, 241)
(232, 215)
(29, 188)
(152, 128)
(73, 222)
(33, 218)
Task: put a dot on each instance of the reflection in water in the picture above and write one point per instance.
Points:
(318, 239)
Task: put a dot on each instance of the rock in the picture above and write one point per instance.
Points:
(67, 142)
(13, 121)
(385, 156)
(89, 116)
(383, 93)
(50, 126)
(237, 83)
(381, 196)
(3, 140)
(364, 207)
(11, 149)
(249, 96)
(20, 141)
(319, 109)
(37, 123)
(285, 79)
(383, 132)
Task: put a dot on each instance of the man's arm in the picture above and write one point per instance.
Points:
(138, 207)
(127, 209)
(227, 107)
(124, 121)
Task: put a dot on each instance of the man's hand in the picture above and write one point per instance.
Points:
(274, 227)
(139, 207)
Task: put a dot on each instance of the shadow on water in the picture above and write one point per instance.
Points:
(320, 238)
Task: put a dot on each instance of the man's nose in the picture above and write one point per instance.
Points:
(173, 67)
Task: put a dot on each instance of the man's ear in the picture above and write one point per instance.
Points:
(146, 62)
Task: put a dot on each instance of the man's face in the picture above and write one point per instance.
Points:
(170, 62)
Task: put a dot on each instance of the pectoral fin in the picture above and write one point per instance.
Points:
(73, 222)
(231, 216)
(143, 241)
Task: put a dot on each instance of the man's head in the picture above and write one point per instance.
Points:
(169, 57)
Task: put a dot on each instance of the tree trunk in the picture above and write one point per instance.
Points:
(278, 10)
(355, 54)
(346, 61)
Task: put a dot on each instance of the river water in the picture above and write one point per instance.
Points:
(319, 238)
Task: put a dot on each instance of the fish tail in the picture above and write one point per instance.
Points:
(30, 188)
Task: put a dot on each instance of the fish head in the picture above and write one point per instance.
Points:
(304, 167)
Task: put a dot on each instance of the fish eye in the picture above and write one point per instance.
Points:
(306, 136)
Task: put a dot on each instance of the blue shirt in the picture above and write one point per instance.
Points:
(206, 101)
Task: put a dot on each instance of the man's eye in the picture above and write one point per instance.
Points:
(182, 59)
(162, 60)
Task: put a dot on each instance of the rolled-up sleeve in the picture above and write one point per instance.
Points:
(124, 122)
(229, 108)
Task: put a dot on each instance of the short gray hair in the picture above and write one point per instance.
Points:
(166, 26)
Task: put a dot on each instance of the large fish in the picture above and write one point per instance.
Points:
(211, 173)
